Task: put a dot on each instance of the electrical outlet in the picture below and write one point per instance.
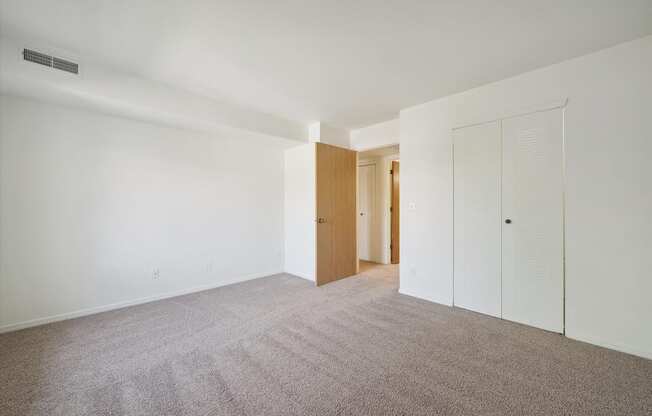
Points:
(413, 271)
(156, 274)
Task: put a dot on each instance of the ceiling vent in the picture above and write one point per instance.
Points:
(51, 61)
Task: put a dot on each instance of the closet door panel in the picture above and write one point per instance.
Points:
(532, 208)
(477, 169)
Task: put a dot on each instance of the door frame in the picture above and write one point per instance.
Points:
(384, 197)
(395, 214)
(362, 164)
(552, 105)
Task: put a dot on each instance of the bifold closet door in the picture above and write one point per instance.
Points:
(477, 169)
(532, 208)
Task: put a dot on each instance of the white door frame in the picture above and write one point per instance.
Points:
(372, 208)
(561, 104)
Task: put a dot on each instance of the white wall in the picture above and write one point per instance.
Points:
(323, 133)
(381, 227)
(378, 135)
(608, 194)
(300, 209)
(90, 205)
(110, 91)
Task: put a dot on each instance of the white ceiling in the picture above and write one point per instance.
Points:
(345, 63)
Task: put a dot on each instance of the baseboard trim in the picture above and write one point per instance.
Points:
(118, 305)
(414, 295)
(301, 275)
(589, 339)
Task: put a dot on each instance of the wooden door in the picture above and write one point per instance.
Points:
(366, 202)
(396, 214)
(337, 255)
(532, 226)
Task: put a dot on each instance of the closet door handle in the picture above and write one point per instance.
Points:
(508, 221)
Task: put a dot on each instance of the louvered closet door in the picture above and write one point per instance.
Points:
(477, 221)
(532, 203)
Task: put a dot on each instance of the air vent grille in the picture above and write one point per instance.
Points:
(51, 61)
(37, 57)
(64, 65)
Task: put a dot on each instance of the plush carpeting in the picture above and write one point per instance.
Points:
(280, 346)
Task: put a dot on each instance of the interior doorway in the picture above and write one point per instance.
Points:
(366, 209)
(378, 226)
(395, 229)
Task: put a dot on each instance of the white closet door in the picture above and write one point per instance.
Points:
(477, 154)
(532, 201)
(366, 197)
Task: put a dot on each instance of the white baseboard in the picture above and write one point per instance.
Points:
(104, 308)
(610, 345)
(301, 275)
(575, 336)
(414, 295)
(91, 311)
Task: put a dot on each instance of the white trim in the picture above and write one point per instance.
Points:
(563, 217)
(118, 305)
(301, 275)
(500, 209)
(374, 226)
(453, 219)
(414, 295)
(590, 339)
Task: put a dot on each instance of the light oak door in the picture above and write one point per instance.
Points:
(532, 224)
(395, 248)
(366, 200)
(337, 255)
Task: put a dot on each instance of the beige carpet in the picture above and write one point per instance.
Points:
(280, 346)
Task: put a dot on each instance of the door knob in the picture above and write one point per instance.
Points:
(362, 213)
(508, 221)
(321, 220)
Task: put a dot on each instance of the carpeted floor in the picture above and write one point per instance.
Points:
(280, 346)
